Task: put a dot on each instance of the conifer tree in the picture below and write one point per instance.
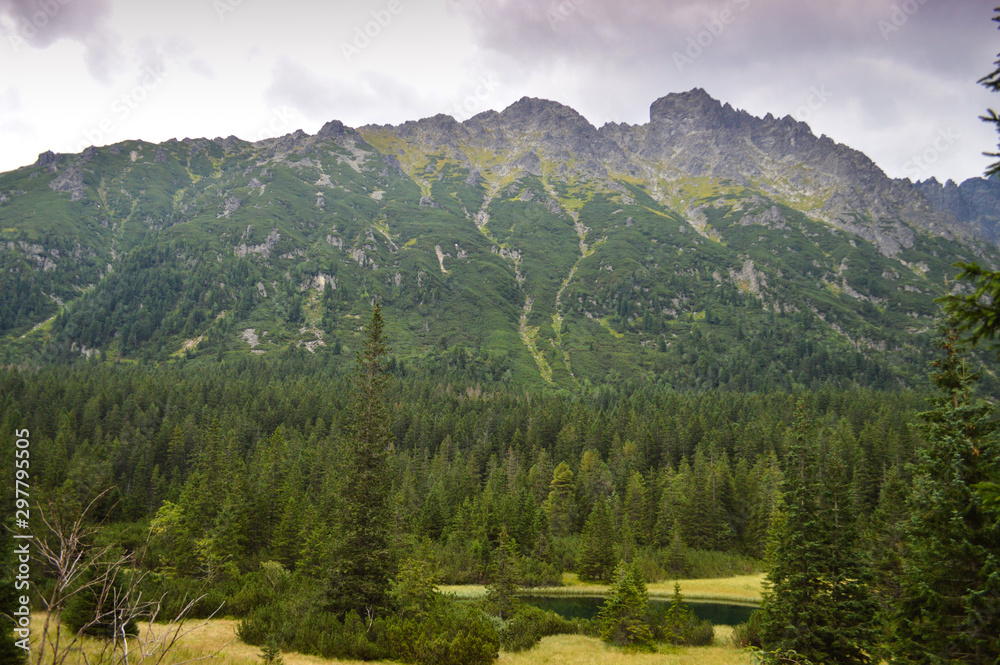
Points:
(949, 608)
(365, 566)
(677, 551)
(978, 313)
(270, 653)
(503, 573)
(623, 618)
(597, 552)
(561, 504)
(817, 604)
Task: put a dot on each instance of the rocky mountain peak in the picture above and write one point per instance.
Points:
(679, 104)
(534, 113)
(46, 158)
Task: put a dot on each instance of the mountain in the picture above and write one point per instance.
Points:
(707, 247)
(975, 203)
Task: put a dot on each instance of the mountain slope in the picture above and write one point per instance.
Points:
(704, 248)
(975, 202)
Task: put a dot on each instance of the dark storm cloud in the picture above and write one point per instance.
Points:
(41, 23)
(648, 33)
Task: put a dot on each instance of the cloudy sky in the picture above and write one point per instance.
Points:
(893, 78)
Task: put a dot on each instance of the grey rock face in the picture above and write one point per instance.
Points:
(69, 181)
(975, 202)
(46, 158)
(692, 135)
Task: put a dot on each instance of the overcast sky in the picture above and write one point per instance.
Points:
(893, 78)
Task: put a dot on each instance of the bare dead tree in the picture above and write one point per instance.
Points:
(114, 581)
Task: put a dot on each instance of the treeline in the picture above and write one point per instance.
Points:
(237, 464)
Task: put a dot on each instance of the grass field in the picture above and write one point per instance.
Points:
(738, 589)
(215, 642)
(212, 642)
(580, 650)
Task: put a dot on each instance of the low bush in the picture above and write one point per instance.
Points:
(655, 564)
(452, 635)
(535, 573)
(748, 634)
(530, 624)
(442, 632)
(678, 624)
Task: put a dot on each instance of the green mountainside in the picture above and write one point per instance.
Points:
(706, 248)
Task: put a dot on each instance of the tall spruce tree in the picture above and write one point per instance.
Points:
(623, 619)
(949, 608)
(503, 572)
(978, 313)
(817, 604)
(365, 561)
(597, 551)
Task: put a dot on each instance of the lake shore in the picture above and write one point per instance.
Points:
(737, 590)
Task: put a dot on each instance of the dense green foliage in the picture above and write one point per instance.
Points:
(747, 635)
(286, 609)
(503, 574)
(950, 586)
(223, 249)
(679, 625)
(623, 618)
(818, 604)
(977, 313)
(240, 464)
(585, 371)
(597, 555)
(364, 558)
(238, 470)
(96, 609)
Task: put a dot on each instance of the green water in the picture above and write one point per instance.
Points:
(584, 607)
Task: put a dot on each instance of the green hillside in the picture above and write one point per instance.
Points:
(541, 267)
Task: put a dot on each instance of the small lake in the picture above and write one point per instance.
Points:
(587, 607)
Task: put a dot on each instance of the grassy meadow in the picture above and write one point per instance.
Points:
(737, 589)
(215, 642)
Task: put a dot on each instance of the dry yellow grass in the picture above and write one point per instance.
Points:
(579, 650)
(738, 589)
(214, 642)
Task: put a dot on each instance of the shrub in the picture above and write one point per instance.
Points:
(433, 631)
(679, 625)
(536, 573)
(748, 634)
(449, 636)
(699, 633)
(529, 625)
